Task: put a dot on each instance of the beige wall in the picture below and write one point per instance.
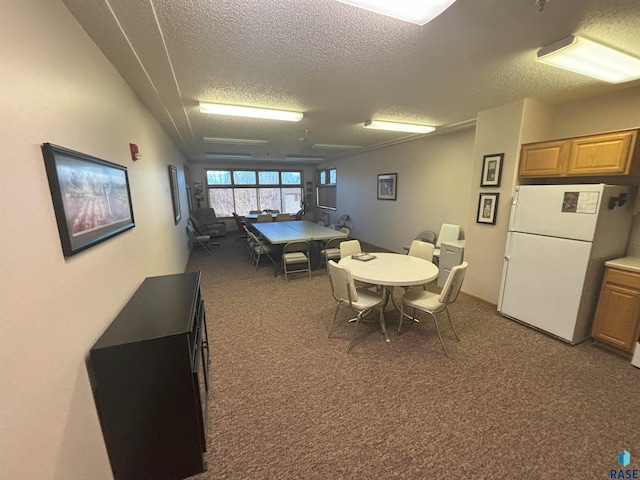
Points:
(434, 180)
(57, 87)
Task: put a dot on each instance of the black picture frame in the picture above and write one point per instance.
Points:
(91, 198)
(175, 194)
(487, 208)
(491, 170)
(387, 186)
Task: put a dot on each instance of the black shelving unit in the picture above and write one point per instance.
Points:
(150, 377)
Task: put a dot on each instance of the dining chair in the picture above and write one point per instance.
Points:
(448, 232)
(422, 250)
(426, 236)
(342, 221)
(360, 300)
(296, 253)
(434, 303)
(240, 224)
(264, 218)
(350, 247)
(283, 217)
(197, 240)
(260, 248)
(330, 251)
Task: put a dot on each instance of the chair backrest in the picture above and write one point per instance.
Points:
(453, 284)
(239, 221)
(345, 230)
(349, 248)
(206, 216)
(264, 217)
(422, 249)
(342, 283)
(342, 221)
(299, 215)
(334, 243)
(427, 236)
(296, 247)
(283, 217)
(448, 233)
(255, 211)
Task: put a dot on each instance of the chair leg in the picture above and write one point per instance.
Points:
(440, 336)
(335, 315)
(401, 315)
(449, 317)
(355, 327)
(382, 325)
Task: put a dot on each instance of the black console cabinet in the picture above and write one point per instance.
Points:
(149, 373)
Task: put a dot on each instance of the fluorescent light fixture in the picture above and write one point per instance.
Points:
(329, 146)
(587, 57)
(228, 156)
(240, 111)
(412, 11)
(234, 141)
(398, 127)
(300, 158)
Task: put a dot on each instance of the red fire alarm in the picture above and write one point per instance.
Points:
(135, 154)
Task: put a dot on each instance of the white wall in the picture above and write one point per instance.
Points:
(56, 86)
(434, 180)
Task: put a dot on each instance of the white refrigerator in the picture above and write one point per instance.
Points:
(558, 240)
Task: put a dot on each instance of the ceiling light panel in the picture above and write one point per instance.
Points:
(228, 156)
(252, 112)
(329, 146)
(234, 141)
(398, 127)
(580, 55)
(413, 11)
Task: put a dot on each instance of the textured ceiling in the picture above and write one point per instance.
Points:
(341, 65)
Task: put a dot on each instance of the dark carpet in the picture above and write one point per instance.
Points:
(289, 403)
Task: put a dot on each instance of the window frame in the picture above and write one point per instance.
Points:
(283, 187)
(327, 191)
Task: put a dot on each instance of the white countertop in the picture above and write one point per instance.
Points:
(631, 264)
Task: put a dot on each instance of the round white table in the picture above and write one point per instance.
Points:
(391, 270)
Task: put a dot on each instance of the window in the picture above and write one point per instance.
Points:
(241, 191)
(326, 189)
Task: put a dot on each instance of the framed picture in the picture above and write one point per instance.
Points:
(487, 208)
(387, 186)
(175, 193)
(492, 170)
(91, 198)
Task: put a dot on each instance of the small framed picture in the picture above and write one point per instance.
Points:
(387, 186)
(487, 208)
(492, 170)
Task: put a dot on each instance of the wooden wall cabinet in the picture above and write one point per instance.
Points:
(617, 320)
(149, 373)
(593, 155)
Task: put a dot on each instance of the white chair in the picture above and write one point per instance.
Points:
(350, 247)
(433, 303)
(447, 233)
(361, 301)
(422, 250)
(296, 253)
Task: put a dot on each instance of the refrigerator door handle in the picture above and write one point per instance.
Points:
(514, 208)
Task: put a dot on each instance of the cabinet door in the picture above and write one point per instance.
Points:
(608, 154)
(617, 316)
(545, 159)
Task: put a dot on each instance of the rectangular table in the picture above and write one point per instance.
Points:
(279, 233)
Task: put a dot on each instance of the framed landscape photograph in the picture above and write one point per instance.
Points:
(387, 186)
(492, 170)
(487, 208)
(175, 193)
(91, 198)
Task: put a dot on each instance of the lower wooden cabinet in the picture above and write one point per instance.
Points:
(617, 321)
